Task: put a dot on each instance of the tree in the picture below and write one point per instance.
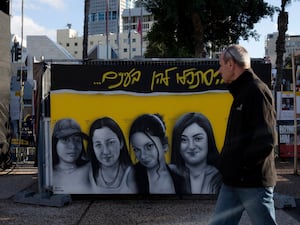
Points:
(184, 28)
(140, 3)
(85, 29)
(282, 22)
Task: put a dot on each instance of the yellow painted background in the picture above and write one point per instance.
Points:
(85, 108)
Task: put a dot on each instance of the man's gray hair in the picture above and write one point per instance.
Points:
(238, 54)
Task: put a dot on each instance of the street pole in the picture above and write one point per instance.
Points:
(141, 30)
(107, 8)
(296, 115)
(129, 34)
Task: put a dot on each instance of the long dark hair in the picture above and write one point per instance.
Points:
(124, 157)
(150, 125)
(182, 123)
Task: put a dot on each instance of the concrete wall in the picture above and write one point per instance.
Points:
(5, 69)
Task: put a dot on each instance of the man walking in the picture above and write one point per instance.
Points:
(247, 158)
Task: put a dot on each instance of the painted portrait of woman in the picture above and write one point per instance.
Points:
(149, 142)
(195, 155)
(70, 167)
(112, 171)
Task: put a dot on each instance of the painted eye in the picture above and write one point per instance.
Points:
(149, 146)
(198, 139)
(64, 140)
(73, 139)
(111, 143)
(183, 140)
(135, 149)
(98, 145)
(76, 139)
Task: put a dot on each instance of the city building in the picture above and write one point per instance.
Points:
(99, 10)
(292, 44)
(129, 44)
(49, 50)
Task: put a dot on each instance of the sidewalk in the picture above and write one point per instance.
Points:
(118, 210)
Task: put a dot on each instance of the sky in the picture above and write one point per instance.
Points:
(44, 17)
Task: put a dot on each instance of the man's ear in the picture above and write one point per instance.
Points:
(231, 63)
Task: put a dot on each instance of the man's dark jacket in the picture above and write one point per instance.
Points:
(247, 157)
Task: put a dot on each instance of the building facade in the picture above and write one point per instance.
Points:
(110, 9)
(292, 44)
(128, 44)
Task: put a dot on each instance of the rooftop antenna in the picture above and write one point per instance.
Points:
(69, 26)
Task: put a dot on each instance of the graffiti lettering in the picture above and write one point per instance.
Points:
(190, 78)
(194, 78)
(161, 78)
(122, 79)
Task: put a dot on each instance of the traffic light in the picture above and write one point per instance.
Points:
(18, 53)
(24, 75)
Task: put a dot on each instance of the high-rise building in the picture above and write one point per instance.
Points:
(111, 9)
(128, 44)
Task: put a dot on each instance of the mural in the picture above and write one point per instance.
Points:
(138, 127)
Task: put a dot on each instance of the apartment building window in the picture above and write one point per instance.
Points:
(133, 40)
(112, 15)
(101, 16)
(147, 19)
(75, 44)
(134, 49)
(67, 44)
(93, 17)
(125, 50)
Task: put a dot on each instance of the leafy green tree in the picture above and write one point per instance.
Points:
(187, 28)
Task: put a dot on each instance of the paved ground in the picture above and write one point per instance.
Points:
(117, 210)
